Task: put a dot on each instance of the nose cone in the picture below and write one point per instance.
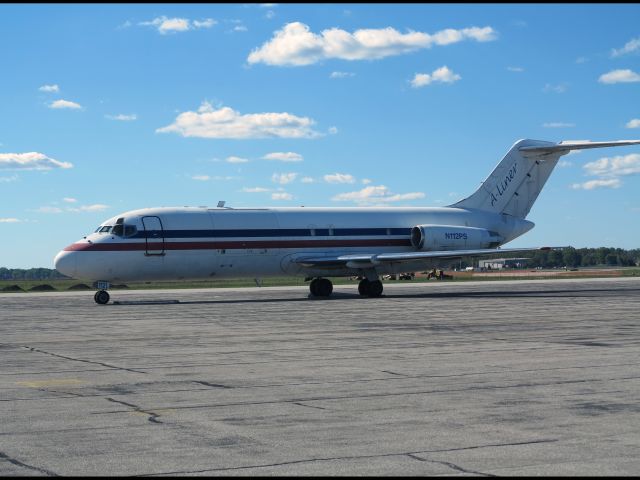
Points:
(66, 263)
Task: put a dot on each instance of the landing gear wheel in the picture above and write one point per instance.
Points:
(313, 287)
(101, 297)
(375, 288)
(363, 287)
(370, 289)
(321, 287)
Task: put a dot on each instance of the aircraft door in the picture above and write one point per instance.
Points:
(154, 235)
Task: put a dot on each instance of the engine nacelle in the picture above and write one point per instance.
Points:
(449, 237)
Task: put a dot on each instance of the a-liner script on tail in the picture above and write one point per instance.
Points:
(204, 243)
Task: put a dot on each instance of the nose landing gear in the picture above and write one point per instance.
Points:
(101, 297)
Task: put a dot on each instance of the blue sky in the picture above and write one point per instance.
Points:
(108, 108)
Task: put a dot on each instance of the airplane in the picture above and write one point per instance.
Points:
(178, 243)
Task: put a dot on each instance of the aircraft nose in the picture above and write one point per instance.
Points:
(66, 263)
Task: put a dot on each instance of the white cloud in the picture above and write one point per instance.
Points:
(206, 23)
(619, 76)
(333, 130)
(307, 180)
(376, 195)
(615, 166)
(255, 189)
(366, 181)
(225, 122)
(515, 69)
(558, 125)
(631, 46)
(281, 196)
(440, 75)
(240, 28)
(69, 200)
(341, 74)
(10, 220)
(49, 88)
(339, 178)
(284, 156)
(296, 45)
(49, 209)
(65, 104)
(560, 88)
(97, 207)
(582, 60)
(30, 161)
(283, 178)
(12, 178)
(172, 25)
(591, 184)
(233, 159)
(564, 163)
(635, 123)
(122, 117)
(202, 178)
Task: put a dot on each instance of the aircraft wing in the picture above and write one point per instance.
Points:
(372, 260)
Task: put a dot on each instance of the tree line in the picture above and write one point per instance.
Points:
(580, 257)
(30, 274)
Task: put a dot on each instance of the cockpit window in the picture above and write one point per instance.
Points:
(105, 229)
(122, 230)
(130, 230)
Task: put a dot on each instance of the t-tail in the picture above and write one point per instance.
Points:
(514, 185)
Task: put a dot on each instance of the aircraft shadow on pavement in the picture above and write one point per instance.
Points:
(566, 293)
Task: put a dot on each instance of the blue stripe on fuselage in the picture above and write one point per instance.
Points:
(270, 233)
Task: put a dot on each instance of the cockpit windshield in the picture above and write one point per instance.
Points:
(122, 230)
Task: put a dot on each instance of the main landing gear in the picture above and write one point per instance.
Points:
(321, 287)
(368, 288)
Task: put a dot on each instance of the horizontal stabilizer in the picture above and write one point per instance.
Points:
(569, 145)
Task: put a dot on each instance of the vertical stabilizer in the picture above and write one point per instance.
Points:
(516, 182)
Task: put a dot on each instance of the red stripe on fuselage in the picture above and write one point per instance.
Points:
(231, 245)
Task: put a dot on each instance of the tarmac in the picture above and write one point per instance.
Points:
(531, 377)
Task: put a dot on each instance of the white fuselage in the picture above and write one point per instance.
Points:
(208, 243)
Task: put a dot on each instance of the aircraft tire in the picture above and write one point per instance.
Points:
(313, 287)
(363, 287)
(325, 287)
(101, 297)
(375, 288)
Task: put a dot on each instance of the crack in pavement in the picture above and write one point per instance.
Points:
(359, 457)
(153, 417)
(207, 384)
(393, 394)
(33, 349)
(450, 465)
(4, 456)
(308, 406)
